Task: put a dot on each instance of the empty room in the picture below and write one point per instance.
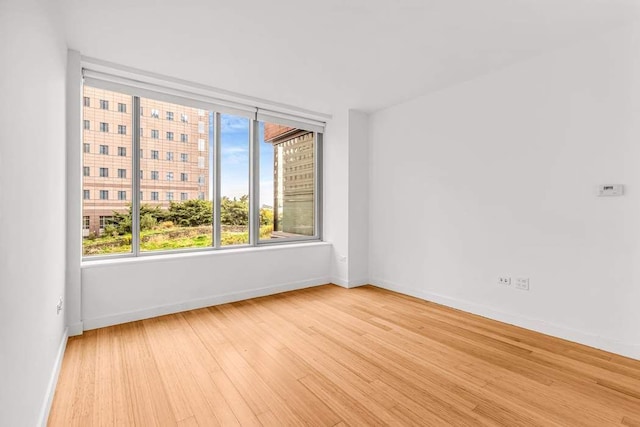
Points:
(325, 213)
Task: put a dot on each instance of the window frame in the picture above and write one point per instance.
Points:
(214, 167)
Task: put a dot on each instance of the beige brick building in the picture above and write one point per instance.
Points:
(174, 149)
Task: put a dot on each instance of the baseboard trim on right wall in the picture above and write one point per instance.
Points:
(542, 326)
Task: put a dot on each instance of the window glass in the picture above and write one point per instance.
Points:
(110, 205)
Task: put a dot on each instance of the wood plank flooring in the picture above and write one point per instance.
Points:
(329, 356)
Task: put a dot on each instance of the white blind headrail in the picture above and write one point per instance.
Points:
(195, 97)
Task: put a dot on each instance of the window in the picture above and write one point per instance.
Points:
(86, 101)
(110, 184)
(218, 155)
(86, 124)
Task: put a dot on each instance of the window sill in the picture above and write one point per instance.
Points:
(88, 263)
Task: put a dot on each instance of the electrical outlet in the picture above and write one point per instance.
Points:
(522, 283)
(504, 280)
(59, 306)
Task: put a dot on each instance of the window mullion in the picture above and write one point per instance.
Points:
(254, 184)
(135, 198)
(215, 164)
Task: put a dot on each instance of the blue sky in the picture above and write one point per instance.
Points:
(235, 159)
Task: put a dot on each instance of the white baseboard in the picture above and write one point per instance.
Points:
(147, 313)
(542, 326)
(53, 381)
(75, 329)
(349, 283)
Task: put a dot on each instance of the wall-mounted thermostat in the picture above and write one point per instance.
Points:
(609, 190)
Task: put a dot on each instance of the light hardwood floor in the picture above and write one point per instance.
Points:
(331, 356)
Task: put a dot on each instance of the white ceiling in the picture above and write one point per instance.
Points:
(328, 54)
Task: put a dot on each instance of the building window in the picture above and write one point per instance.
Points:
(86, 101)
(201, 162)
(169, 115)
(169, 176)
(141, 153)
(105, 220)
(122, 151)
(155, 175)
(184, 177)
(141, 198)
(184, 137)
(104, 172)
(201, 113)
(122, 195)
(141, 111)
(170, 156)
(86, 147)
(169, 195)
(141, 175)
(200, 179)
(104, 149)
(86, 124)
(104, 194)
(86, 171)
(122, 173)
(104, 127)
(155, 155)
(169, 136)
(122, 108)
(155, 113)
(200, 144)
(200, 127)
(86, 222)
(184, 118)
(122, 130)
(104, 104)
(155, 134)
(155, 195)
(201, 195)
(184, 196)
(86, 194)
(184, 157)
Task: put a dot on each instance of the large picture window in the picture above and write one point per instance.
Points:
(232, 179)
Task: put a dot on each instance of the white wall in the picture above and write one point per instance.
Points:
(358, 198)
(124, 290)
(32, 208)
(497, 176)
